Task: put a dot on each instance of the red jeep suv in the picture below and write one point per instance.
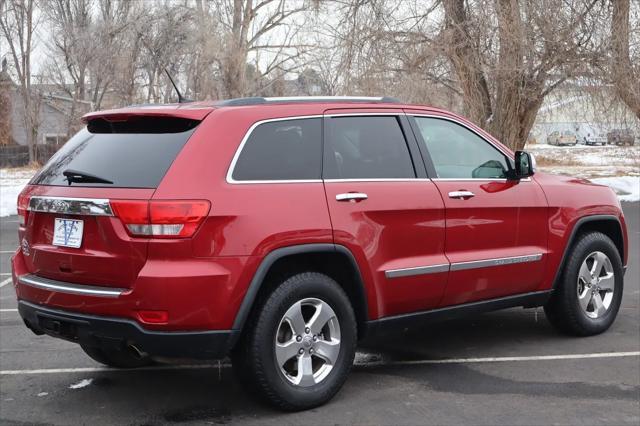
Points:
(281, 231)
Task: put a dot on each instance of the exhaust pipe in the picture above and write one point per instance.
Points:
(137, 352)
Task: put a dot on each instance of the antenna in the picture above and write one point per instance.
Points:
(181, 99)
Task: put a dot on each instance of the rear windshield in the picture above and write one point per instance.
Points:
(106, 158)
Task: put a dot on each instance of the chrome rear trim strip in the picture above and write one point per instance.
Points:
(475, 264)
(420, 270)
(64, 287)
(75, 206)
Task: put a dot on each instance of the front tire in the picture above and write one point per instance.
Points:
(588, 296)
(300, 347)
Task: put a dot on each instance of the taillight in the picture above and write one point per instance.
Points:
(161, 219)
(23, 208)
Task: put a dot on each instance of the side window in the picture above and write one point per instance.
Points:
(369, 147)
(459, 153)
(282, 150)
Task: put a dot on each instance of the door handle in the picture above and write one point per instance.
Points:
(461, 195)
(352, 196)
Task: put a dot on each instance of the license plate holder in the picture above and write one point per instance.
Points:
(67, 232)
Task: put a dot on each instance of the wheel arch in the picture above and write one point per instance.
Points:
(334, 260)
(609, 225)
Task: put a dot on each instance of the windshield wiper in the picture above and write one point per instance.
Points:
(83, 177)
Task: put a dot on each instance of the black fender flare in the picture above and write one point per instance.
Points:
(574, 232)
(273, 256)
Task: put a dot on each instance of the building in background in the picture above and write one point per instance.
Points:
(587, 111)
(55, 110)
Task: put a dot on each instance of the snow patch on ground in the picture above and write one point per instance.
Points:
(11, 183)
(81, 384)
(627, 187)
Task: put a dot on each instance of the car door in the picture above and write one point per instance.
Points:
(496, 228)
(384, 209)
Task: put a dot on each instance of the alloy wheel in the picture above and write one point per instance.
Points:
(596, 284)
(307, 342)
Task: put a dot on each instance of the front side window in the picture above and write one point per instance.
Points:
(368, 147)
(459, 153)
(282, 150)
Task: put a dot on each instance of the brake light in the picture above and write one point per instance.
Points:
(161, 219)
(23, 208)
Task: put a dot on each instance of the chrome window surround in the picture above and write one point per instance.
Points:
(229, 177)
(74, 206)
(461, 266)
(70, 288)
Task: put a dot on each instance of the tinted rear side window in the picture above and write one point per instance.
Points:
(282, 150)
(366, 148)
(129, 160)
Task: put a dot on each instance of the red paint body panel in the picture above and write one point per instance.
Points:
(570, 199)
(202, 281)
(400, 225)
(504, 219)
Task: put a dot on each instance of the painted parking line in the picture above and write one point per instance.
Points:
(105, 369)
(359, 364)
(7, 251)
(504, 359)
(8, 310)
(5, 282)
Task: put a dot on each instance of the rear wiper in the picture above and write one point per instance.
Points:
(77, 176)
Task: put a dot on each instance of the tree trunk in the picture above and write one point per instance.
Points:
(235, 68)
(627, 84)
(466, 63)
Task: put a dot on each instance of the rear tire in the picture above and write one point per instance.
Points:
(587, 298)
(299, 349)
(115, 358)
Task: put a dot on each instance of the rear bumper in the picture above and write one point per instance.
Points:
(108, 332)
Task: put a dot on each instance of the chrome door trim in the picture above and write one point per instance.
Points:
(70, 288)
(352, 196)
(70, 205)
(377, 180)
(236, 155)
(461, 194)
(461, 266)
(418, 270)
(500, 261)
(477, 180)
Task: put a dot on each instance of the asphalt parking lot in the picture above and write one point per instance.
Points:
(507, 367)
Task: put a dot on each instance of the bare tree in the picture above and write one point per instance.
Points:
(540, 46)
(17, 23)
(624, 73)
(248, 25)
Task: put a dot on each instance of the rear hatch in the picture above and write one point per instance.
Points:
(85, 215)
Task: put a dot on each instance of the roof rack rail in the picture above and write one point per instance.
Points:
(305, 99)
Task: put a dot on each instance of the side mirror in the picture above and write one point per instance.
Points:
(525, 165)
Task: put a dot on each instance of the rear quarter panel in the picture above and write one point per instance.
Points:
(248, 220)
